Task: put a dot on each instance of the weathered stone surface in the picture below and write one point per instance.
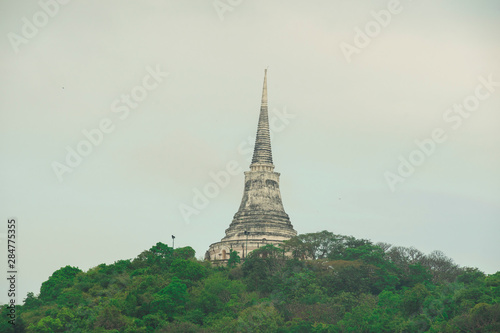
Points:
(262, 153)
(261, 218)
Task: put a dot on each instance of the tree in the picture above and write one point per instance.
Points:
(413, 300)
(60, 279)
(296, 247)
(70, 297)
(417, 274)
(493, 280)
(153, 321)
(171, 299)
(66, 316)
(357, 319)
(383, 273)
(260, 318)
(302, 287)
(161, 250)
(481, 318)
(110, 318)
(344, 276)
(471, 275)
(320, 245)
(186, 252)
(261, 265)
(384, 246)
(404, 256)
(234, 259)
(47, 325)
(31, 301)
(218, 295)
(442, 268)
(157, 258)
(5, 325)
(190, 269)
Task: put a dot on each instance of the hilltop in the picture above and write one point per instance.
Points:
(325, 283)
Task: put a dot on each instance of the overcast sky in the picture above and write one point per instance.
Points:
(174, 89)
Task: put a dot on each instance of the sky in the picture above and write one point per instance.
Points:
(125, 122)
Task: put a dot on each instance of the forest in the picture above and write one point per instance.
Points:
(316, 282)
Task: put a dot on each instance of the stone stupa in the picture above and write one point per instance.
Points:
(261, 218)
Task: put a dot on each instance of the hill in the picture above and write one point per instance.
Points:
(325, 283)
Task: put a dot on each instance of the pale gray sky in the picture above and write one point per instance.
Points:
(340, 125)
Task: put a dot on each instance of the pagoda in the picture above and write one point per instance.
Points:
(261, 218)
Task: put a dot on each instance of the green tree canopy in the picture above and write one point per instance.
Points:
(60, 279)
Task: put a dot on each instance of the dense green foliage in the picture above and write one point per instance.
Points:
(319, 282)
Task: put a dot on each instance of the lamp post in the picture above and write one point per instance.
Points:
(173, 241)
(246, 244)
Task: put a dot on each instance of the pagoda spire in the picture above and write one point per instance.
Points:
(262, 154)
